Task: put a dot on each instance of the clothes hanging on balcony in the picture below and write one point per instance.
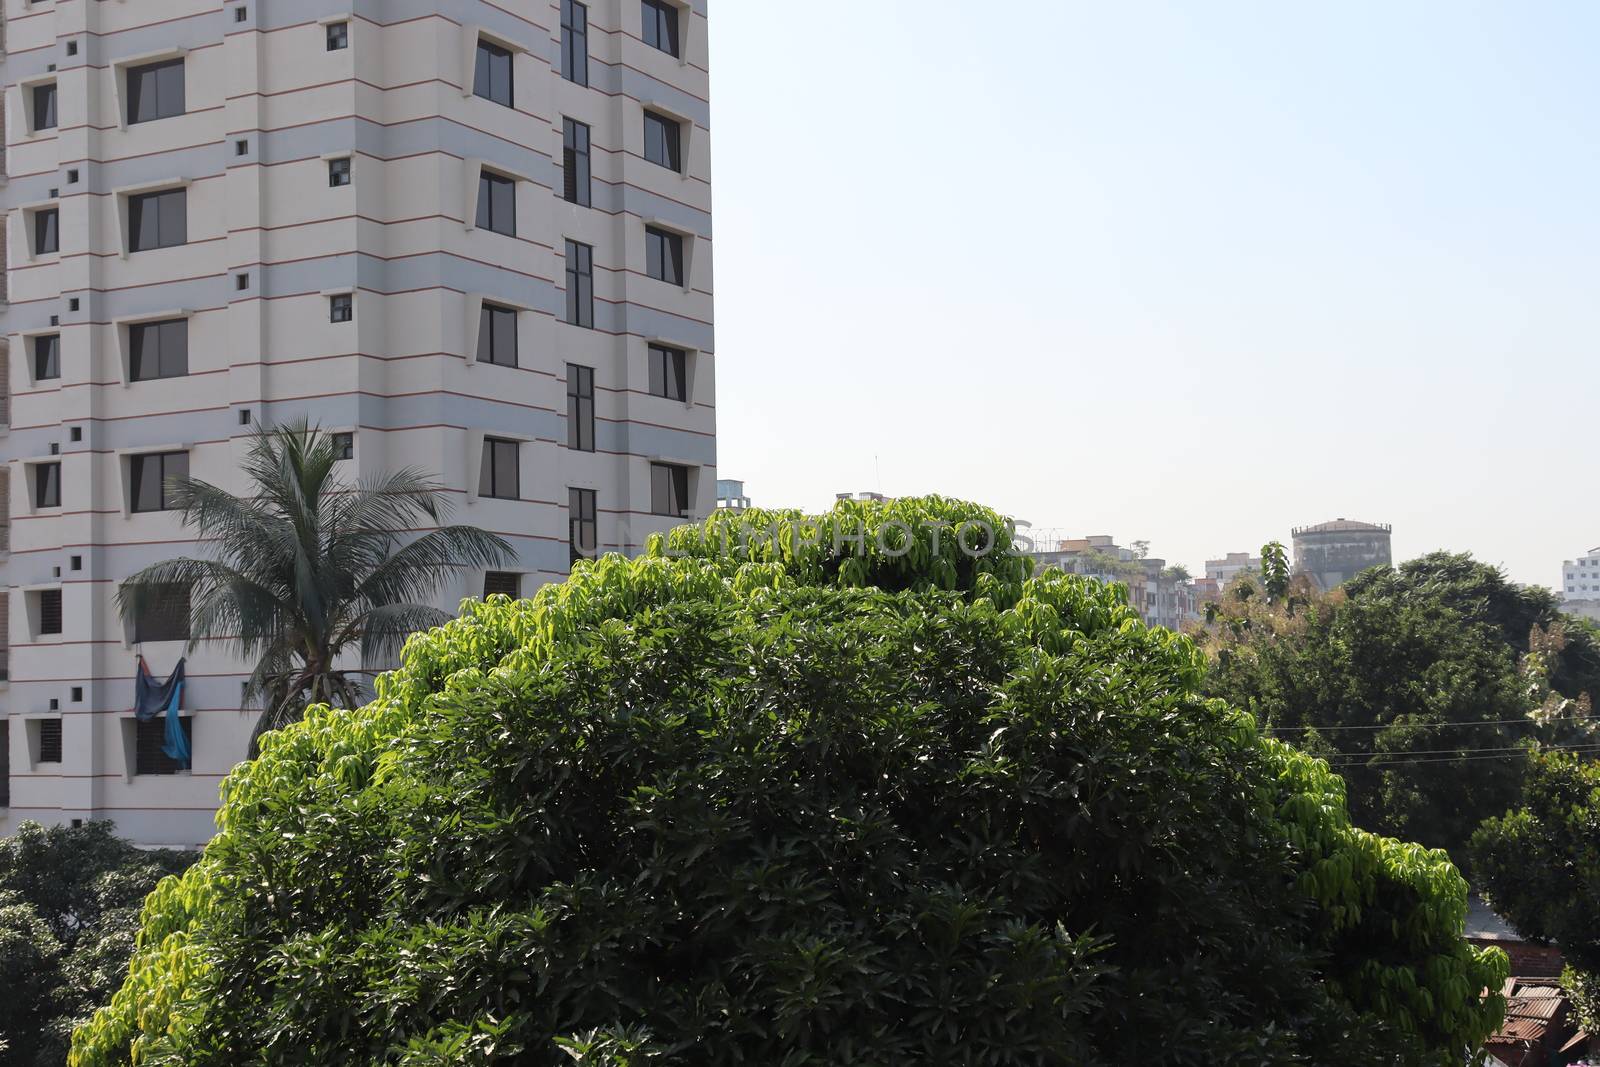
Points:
(151, 698)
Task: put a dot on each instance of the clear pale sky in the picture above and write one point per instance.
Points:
(1187, 272)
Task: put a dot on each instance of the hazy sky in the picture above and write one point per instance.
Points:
(1188, 272)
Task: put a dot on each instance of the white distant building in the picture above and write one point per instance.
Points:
(1580, 585)
(1222, 571)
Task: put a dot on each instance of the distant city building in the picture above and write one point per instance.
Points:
(730, 495)
(879, 497)
(1160, 594)
(1334, 552)
(1222, 571)
(1580, 585)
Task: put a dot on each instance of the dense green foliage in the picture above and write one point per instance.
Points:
(1421, 685)
(311, 569)
(1540, 865)
(798, 800)
(69, 909)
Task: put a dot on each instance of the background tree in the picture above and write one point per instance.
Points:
(69, 910)
(312, 571)
(1422, 685)
(766, 796)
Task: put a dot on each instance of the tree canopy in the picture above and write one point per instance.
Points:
(1424, 685)
(770, 796)
(69, 907)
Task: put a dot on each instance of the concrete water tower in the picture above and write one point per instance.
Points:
(1335, 552)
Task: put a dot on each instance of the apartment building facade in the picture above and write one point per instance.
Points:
(1580, 585)
(469, 237)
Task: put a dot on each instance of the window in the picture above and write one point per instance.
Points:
(580, 284)
(341, 307)
(151, 477)
(580, 408)
(575, 42)
(663, 141)
(150, 746)
(491, 78)
(158, 220)
(504, 583)
(669, 372)
(663, 253)
(582, 527)
(497, 336)
(497, 203)
(155, 91)
(47, 357)
(499, 477)
(575, 162)
(669, 489)
(344, 446)
(46, 231)
(47, 485)
(49, 740)
(338, 36)
(44, 107)
(338, 172)
(50, 611)
(158, 350)
(661, 25)
(161, 613)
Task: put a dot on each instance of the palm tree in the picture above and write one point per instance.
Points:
(311, 569)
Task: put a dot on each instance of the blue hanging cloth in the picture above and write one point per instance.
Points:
(151, 698)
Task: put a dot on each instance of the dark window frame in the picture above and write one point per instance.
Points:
(583, 523)
(667, 481)
(139, 484)
(344, 445)
(342, 308)
(495, 321)
(46, 231)
(47, 485)
(669, 372)
(168, 96)
(661, 21)
(171, 224)
(667, 149)
(43, 104)
(164, 613)
(52, 613)
(338, 36)
(148, 739)
(508, 583)
(664, 255)
(580, 408)
(577, 178)
(46, 357)
(495, 189)
(340, 172)
(494, 74)
(580, 284)
(171, 355)
(50, 746)
(492, 475)
(575, 42)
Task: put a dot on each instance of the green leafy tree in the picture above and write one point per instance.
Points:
(1540, 864)
(311, 570)
(1425, 686)
(801, 791)
(69, 910)
(1275, 572)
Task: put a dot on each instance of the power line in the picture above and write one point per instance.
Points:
(1400, 759)
(1431, 725)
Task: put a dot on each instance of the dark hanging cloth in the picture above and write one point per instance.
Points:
(151, 698)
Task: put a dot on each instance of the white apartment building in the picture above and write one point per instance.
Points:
(1224, 570)
(471, 236)
(1580, 585)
